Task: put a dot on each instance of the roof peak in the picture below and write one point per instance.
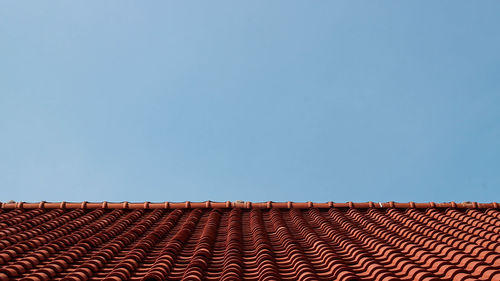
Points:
(242, 204)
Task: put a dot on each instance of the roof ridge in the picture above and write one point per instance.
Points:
(241, 204)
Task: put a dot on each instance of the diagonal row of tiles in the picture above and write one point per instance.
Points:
(249, 244)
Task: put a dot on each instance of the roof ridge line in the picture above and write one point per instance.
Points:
(242, 204)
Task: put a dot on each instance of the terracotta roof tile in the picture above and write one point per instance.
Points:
(105, 241)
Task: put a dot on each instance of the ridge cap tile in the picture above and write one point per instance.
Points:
(242, 204)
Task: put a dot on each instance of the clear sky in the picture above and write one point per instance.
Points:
(250, 100)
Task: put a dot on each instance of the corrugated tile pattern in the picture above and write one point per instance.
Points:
(354, 241)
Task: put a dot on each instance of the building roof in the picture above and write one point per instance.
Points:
(249, 241)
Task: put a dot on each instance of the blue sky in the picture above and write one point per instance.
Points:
(250, 100)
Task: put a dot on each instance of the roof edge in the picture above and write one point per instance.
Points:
(242, 204)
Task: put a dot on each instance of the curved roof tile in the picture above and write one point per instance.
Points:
(106, 241)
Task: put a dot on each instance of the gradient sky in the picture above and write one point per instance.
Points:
(250, 100)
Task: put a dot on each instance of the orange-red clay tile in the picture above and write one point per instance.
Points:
(371, 241)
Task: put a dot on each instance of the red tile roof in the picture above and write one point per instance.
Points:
(249, 241)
